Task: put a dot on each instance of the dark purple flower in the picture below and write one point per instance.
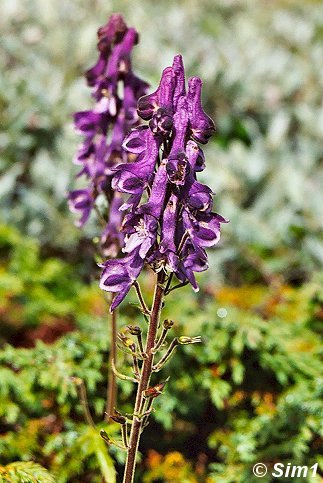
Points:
(133, 177)
(119, 275)
(89, 123)
(162, 98)
(162, 122)
(167, 247)
(141, 228)
(141, 233)
(171, 229)
(193, 259)
(202, 126)
(115, 90)
(136, 141)
(203, 228)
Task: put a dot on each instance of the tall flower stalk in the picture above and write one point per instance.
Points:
(167, 226)
(115, 90)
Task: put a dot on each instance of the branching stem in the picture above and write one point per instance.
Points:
(123, 377)
(144, 380)
(166, 356)
(141, 299)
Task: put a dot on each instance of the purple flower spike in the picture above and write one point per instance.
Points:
(201, 124)
(115, 90)
(171, 229)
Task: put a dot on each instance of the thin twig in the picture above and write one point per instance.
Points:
(123, 377)
(169, 281)
(124, 434)
(111, 441)
(148, 410)
(166, 356)
(84, 400)
(179, 285)
(160, 341)
(136, 370)
(112, 383)
(141, 346)
(141, 299)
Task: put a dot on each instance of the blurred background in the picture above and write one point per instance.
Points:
(253, 391)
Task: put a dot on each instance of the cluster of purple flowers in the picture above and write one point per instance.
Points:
(169, 220)
(115, 90)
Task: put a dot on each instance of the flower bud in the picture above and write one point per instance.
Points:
(117, 417)
(127, 342)
(168, 324)
(184, 340)
(134, 329)
(155, 391)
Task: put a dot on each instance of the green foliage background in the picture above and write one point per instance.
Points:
(253, 391)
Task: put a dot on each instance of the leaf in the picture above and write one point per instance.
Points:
(97, 446)
(25, 472)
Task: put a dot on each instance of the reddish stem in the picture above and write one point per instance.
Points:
(112, 381)
(144, 380)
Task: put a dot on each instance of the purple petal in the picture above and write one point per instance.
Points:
(158, 192)
(202, 125)
(178, 69)
(177, 168)
(162, 97)
(136, 141)
(81, 202)
(204, 228)
(119, 274)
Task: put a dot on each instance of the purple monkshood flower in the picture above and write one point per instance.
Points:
(105, 126)
(169, 220)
